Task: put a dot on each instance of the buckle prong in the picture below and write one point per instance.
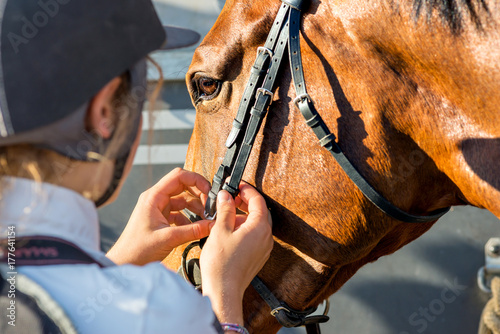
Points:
(301, 98)
(264, 91)
(262, 49)
(279, 308)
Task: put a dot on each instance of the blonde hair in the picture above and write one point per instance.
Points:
(43, 165)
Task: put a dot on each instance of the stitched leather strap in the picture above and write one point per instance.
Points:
(242, 121)
(297, 4)
(257, 114)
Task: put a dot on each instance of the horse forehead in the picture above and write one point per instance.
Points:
(241, 28)
(243, 22)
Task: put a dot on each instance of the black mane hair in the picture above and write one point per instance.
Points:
(452, 12)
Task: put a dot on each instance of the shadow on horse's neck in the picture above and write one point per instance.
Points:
(296, 232)
(276, 121)
(350, 125)
(351, 128)
(482, 155)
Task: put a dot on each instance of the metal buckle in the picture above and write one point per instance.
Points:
(209, 217)
(279, 308)
(264, 92)
(210, 204)
(262, 49)
(301, 98)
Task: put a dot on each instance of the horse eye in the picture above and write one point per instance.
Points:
(208, 88)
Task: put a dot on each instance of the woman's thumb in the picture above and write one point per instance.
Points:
(226, 211)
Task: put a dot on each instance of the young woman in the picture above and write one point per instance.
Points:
(72, 87)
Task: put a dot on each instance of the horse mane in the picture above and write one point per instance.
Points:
(452, 12)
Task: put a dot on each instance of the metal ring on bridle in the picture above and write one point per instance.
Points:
(184, 260)
(262, 49)
(327, 307)
(301, 98)
(482, 282)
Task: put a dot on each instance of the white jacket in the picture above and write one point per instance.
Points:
(116, 299)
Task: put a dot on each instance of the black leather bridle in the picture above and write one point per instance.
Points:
(257, 97)
(253, 107)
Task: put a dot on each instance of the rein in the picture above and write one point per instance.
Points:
(256, 99)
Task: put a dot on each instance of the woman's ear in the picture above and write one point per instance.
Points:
(101, 114)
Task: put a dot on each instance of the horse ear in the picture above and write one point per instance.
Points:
(100, 113)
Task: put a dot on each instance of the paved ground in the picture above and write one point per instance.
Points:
(427, 287)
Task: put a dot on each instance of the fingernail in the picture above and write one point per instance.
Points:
(223, 197)
(211, 225)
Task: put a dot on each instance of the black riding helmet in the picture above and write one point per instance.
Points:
(55, 55)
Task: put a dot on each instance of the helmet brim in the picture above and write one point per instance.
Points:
(179, 38)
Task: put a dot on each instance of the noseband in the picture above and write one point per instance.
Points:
(257, 97)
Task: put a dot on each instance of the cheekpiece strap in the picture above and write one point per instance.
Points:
(297, 4)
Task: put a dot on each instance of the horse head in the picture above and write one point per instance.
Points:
(411, 90)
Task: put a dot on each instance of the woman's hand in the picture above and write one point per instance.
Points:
(157, 226)
(237, 249)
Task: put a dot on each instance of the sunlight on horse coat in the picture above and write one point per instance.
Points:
(412, 93)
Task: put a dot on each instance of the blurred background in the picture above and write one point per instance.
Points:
(427, 287)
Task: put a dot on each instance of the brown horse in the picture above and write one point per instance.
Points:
(411, 89)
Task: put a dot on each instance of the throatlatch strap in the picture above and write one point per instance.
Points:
(327, 139)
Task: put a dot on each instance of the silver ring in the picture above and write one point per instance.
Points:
(481, 280)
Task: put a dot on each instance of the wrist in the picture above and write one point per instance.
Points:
(121, 257)
(115, 257)
(234, 328)
(227, 307)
